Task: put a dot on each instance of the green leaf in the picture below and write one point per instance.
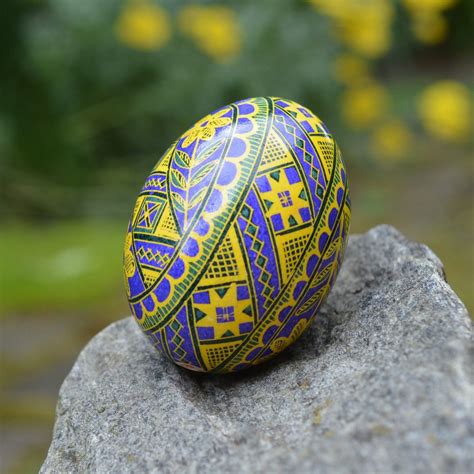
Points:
(207, 152)
(324, 274)
(178, 202)
(178, 179)
(197, 198)
(202, 173)
(182, 159)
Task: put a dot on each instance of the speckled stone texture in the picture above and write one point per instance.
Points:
(380, 383)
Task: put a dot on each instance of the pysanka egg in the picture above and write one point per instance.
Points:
(237, 235)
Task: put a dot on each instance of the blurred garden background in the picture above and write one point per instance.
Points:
(92, 92)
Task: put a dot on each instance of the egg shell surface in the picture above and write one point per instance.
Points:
(237, 235)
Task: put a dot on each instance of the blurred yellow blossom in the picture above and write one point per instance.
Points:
(365, 26)
(349, 69)
(143, 25)
(428, 5)
(391, 140)
(214, 28)
(364, 104)
(445, 110)
(430, 28)
(428, 23)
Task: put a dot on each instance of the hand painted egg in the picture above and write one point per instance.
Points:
(237, 235)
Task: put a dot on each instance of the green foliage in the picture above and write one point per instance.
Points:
(59, 267)
(76, 99)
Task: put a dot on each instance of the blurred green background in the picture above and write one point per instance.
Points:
(92, 92)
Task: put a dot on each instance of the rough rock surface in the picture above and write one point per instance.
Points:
(380, 383)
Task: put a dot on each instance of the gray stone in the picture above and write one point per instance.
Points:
(380, 383)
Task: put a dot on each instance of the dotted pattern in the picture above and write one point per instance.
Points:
(327, 149)
(275, 151)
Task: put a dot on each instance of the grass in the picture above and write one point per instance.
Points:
(60, 267)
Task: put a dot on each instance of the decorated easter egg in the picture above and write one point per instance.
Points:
(237, 235)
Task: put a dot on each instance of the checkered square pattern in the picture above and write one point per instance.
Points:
(225, 314)
(285, 198)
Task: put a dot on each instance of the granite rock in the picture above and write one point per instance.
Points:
(381, 382)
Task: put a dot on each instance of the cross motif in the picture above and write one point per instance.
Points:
(225, 314)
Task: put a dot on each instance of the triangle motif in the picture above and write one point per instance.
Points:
(275, 175)
(221, 292)
(199, 314)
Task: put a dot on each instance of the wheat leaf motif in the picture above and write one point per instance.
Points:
(324, 274)
(197, 198)
(178, 179)
(182, 159)
(202, 173)
(312, 301)
(208, 151)
(178, 202)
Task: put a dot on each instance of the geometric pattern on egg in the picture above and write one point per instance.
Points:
(237, 235)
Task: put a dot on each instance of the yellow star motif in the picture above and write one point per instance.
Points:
(205, 129)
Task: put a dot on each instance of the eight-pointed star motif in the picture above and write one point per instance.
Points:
(206, 128)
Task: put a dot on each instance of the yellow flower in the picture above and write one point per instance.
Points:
(391, 140)
(206, 128)
(365, 26)
(430, 27)
(214, 29)
(445, 110)
(143, 25)
(349, 69)
(364, 104)
(368, 33)
(428, 5)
